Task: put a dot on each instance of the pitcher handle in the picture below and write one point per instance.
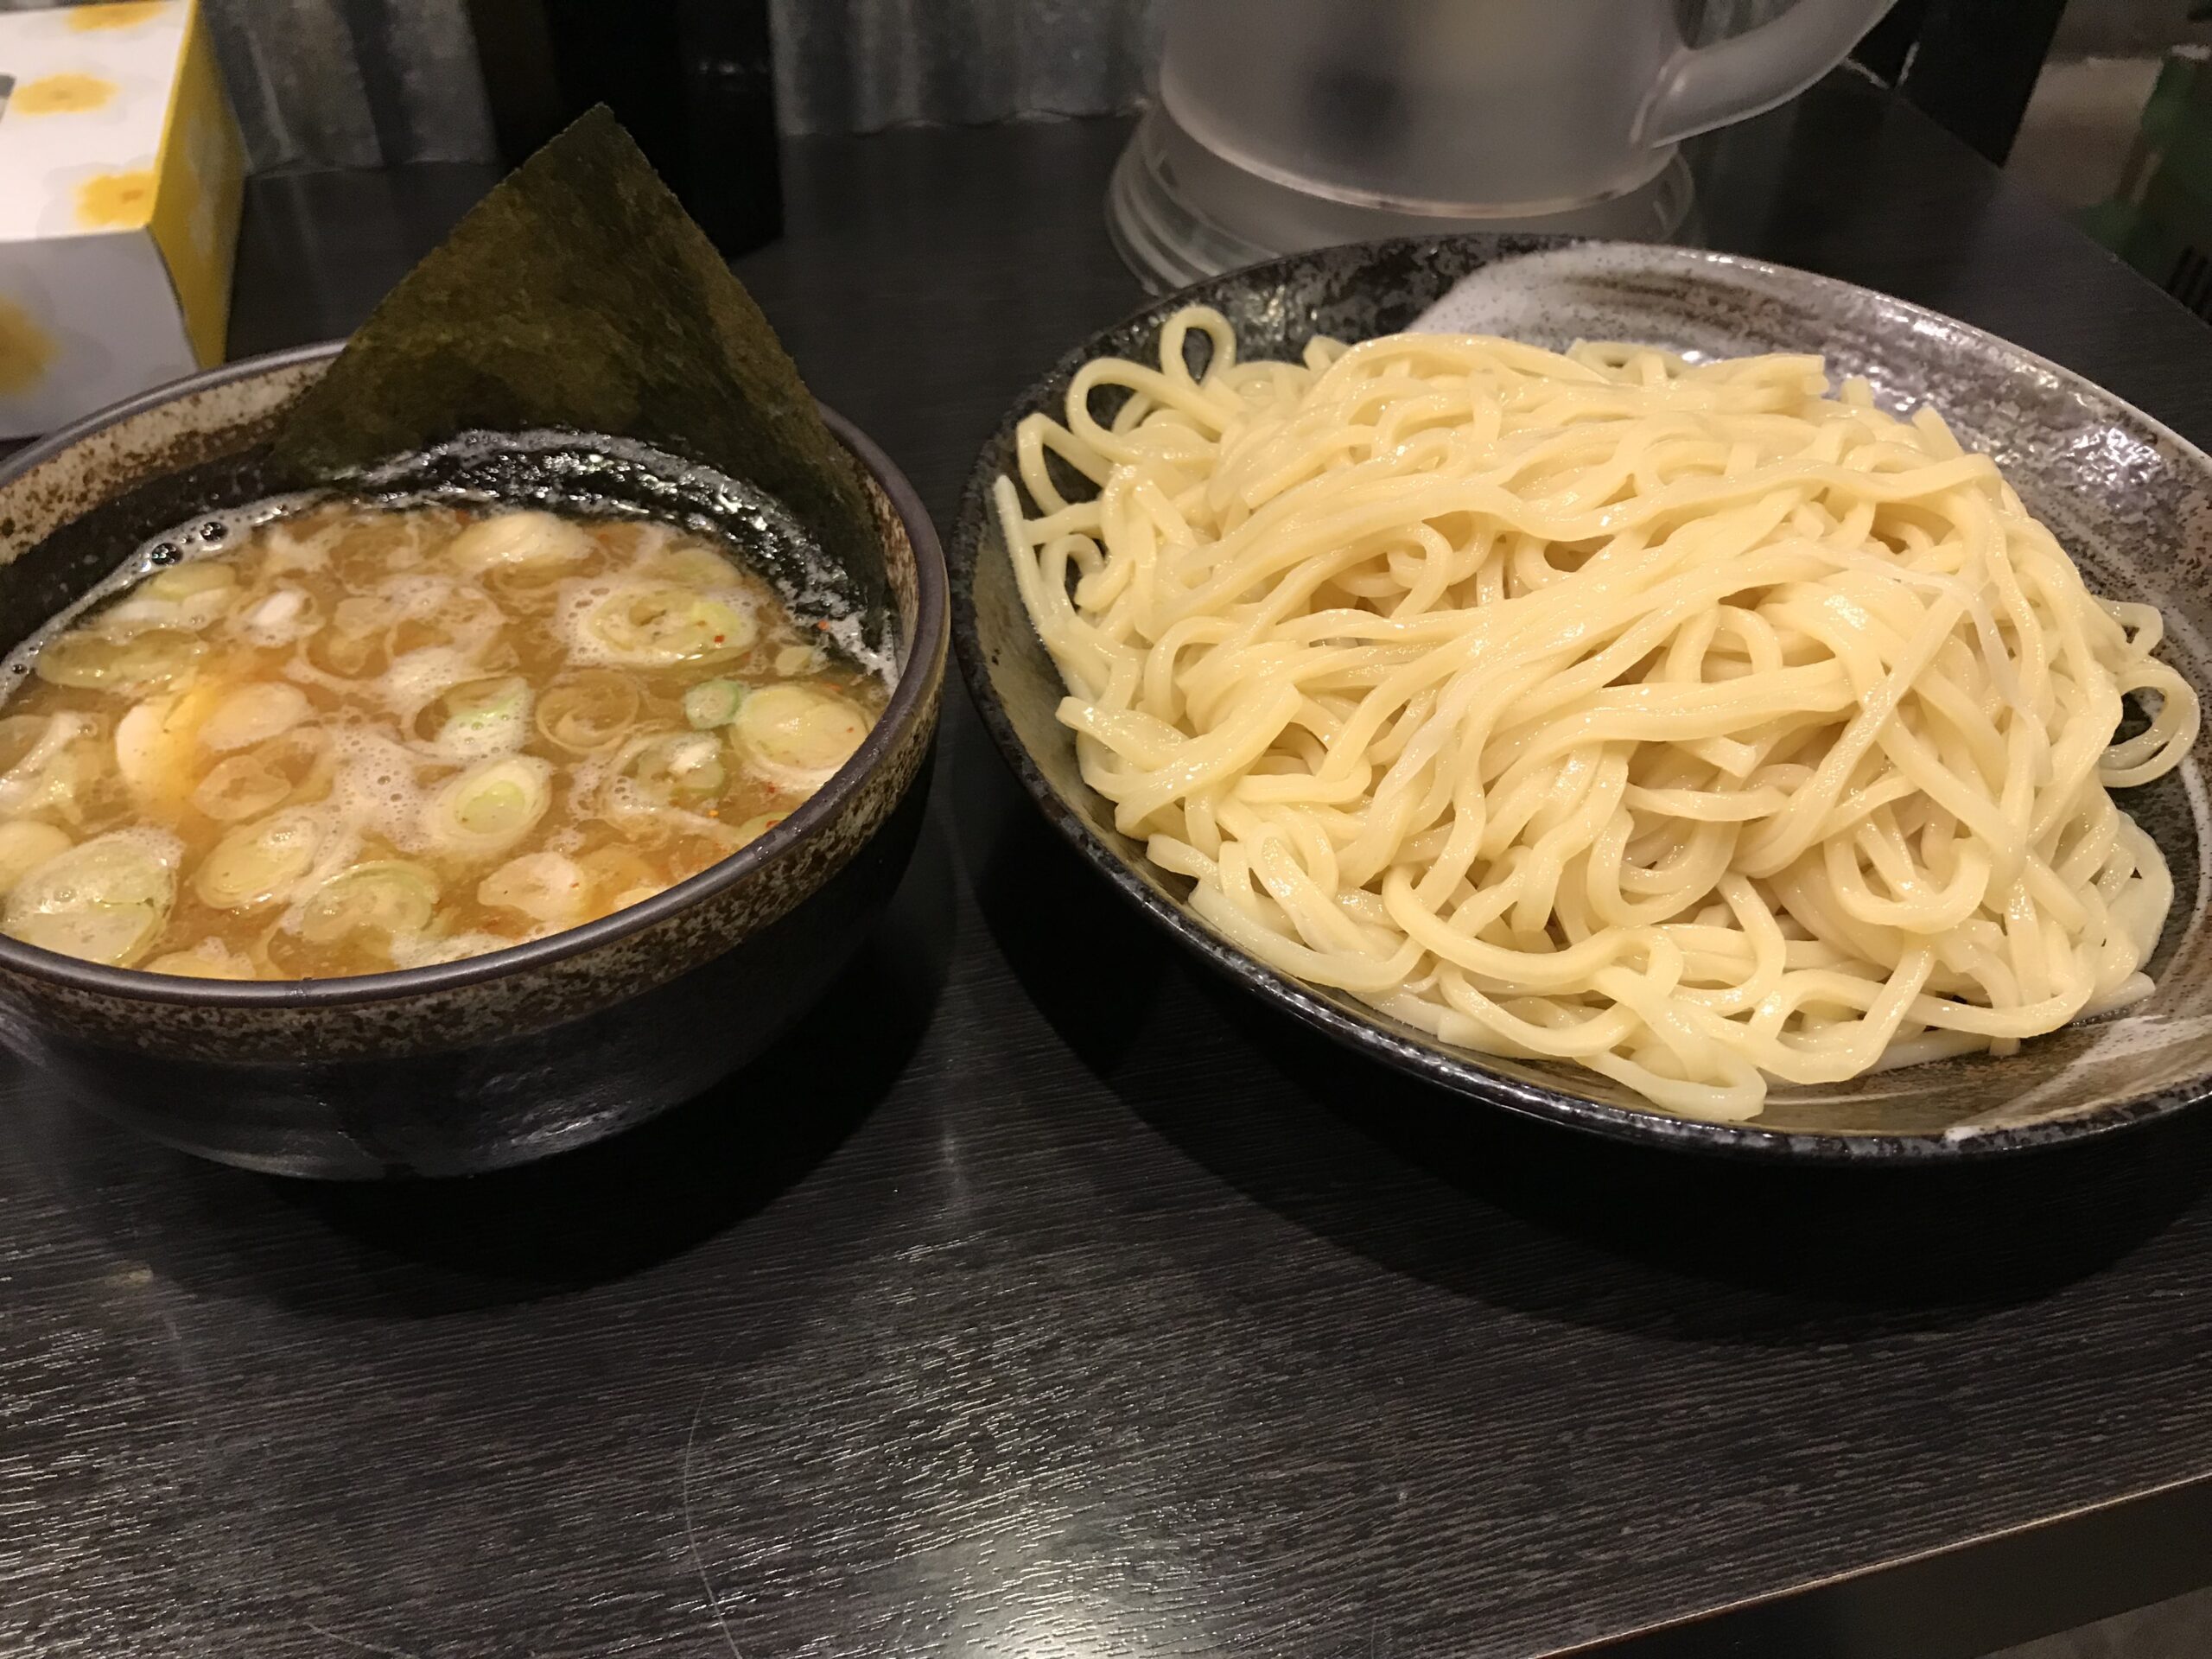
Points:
(1753, 72)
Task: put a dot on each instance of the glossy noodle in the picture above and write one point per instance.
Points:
(1689, 722)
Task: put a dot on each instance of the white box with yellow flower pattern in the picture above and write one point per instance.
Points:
(120, 178)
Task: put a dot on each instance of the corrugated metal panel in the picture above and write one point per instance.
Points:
(856, 66)
(348, 83)
(360, 83)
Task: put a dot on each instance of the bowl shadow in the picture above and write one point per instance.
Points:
(566, 1222)
(1541, 1218)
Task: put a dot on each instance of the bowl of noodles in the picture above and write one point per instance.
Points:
(1676, 696)
(470, 812)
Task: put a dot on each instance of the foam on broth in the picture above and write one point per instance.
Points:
(317, 737)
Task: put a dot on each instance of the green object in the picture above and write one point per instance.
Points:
(712, 703)
(2160, 219)
(580, 294)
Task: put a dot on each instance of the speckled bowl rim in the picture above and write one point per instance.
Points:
(908, 699)
(1461, 1070)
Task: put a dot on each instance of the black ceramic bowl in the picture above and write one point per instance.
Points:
(494, 1059)
(2128, 498)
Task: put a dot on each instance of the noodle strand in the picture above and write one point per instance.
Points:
(1681, 720)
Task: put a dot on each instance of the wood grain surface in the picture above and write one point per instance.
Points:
(1041, 1297)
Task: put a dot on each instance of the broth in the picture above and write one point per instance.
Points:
(359, 738)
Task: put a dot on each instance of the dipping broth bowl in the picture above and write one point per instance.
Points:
(490, 1060)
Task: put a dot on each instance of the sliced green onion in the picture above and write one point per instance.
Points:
(208, 959)
(687, 765)
(253, 713)
(659, 624)
(188, 596)
(192, 580)
(693, 566)
(54, 767)
(244, 786)
(390, 895)
(518, 538)
(483, 717)
(25, 843)
(260, 863)
(491, 806)
(103, 901)
(545, 887)
(797, 736)
(589, 711)
(155, 748)
(712, 703)
(93, 662)
(287, 615)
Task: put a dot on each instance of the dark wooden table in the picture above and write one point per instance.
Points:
(1041, 1297)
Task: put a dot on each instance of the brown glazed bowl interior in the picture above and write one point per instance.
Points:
(2130, 499)
(493, 1059)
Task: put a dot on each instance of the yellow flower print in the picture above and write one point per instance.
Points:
(65, 94)
(125, 14)
(25, 348)
(116, 200)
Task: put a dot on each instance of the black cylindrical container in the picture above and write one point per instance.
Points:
(692, 79)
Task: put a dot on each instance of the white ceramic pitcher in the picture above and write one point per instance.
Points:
(1473, 108)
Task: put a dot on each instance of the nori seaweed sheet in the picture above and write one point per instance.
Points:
(579, 295)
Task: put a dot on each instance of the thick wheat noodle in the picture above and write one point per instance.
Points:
(1682, 719)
